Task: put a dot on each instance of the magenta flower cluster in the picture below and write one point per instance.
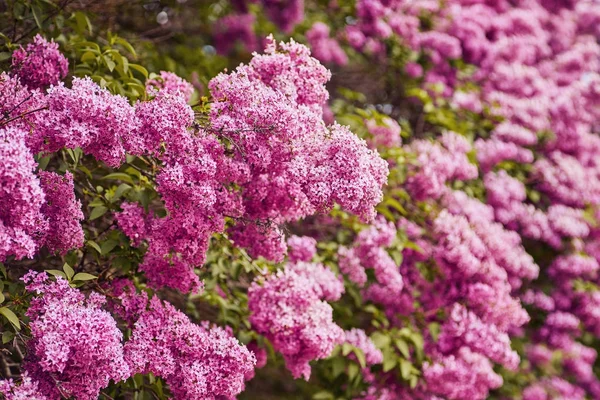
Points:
(288, 308)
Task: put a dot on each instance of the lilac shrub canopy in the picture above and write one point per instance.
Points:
(356, 199)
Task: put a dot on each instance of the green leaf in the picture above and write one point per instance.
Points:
(353, 371)
(84, 276)
(83, 22)
(402, 347)
(11, 317)
(68, 271)
(119, 176)
(338, 366)
(108, 246)
(7, 336)
(140, 69)
(56, 272)
(127, 46)
(389, 363)
(98, 212)
(4, 56)
(37, 15)
(346, 349)
(405, 367)
(2, 298)
(110, 64)
(121, 190)
(43, 162)
(360, 356)
(380, 340)
(323, 395)
(88, 56)
(94, 245)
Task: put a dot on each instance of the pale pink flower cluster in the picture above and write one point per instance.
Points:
(324, 47)
(170, 83)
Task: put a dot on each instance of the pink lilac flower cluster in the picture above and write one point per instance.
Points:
(196, 361)
(133, 222)
(287, 307)
(301, 248)
(293, 160)
(84, 116)
(462, 375)
(40, 64)
(63, 211)
(481, 264)
(172, 84)
(368, 252)
(538, 69)
(323, 47)
(384, 134)
(285, 14)
(235, 28)
(26, 390)
(359, 339)
(438, 164)
(75, 348)
(22, 223)
(266, 158)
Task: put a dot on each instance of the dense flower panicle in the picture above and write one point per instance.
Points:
(323, 47)
(491, 152)
(559, 329)
(464, 375)
(260, 241)
(85, 116)
(553, 388)
(368, 252)
(285, 14)
(352, 173)
(439, 164)
(170, 271)
(564, 179)
(74, 342)
(386, 134)
(164, 119)
(125, 301)
(172, 84)
(464, 328)
(18, 103)
(567, 221)
(287, 310)
(63, 211)
(513, 133)
(495, 305)
(271, 111)
(22, 224)
(325, 284)
(468, 100)
(574, 266)
(196, 361)
(301, 248)
(350, 265)
(538, 299)
(27, 390)
(133, 221)
(40, 63)
(235, 28)
(358, 339)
